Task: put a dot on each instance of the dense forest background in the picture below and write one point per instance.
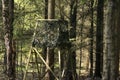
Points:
(59, 39)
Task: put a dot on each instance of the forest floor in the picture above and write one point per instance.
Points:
(34, 76)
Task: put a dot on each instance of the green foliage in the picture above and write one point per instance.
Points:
(26, 13)
(83, 1)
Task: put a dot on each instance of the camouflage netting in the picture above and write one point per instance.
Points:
(50, 33)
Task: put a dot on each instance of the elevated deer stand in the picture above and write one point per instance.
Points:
(48, 33)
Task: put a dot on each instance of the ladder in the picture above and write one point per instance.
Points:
(34, 51)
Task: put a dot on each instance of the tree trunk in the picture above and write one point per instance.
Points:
(110, 36)
(8, 13)
(117, 38)
(99, 39)
(51, 9)
(71, 68)
(44, 48)
(91, 39)
(50, 51)
(50, 62)
(46, 9)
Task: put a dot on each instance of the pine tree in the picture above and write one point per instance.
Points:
(8, 18)
(110, 37)
(50, 51)
(99, 39)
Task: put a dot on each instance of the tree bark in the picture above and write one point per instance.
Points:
(51, 9)
(71, 67)
(117, 38)
(91, 39)
(99, 39)
(110, 36)
(8, 17)
(50, 51)
(46, 9)
(50, 62)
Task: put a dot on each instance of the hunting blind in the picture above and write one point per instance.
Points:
(50, 33)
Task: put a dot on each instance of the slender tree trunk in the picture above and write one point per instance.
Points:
(51, 9)
(8, 13)
(99, 39)
(44, 48)
(71, 68)
(91, 39)
(117, 38)
(46, 9)
(50, 51)
(110, 36)
(50, 62)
